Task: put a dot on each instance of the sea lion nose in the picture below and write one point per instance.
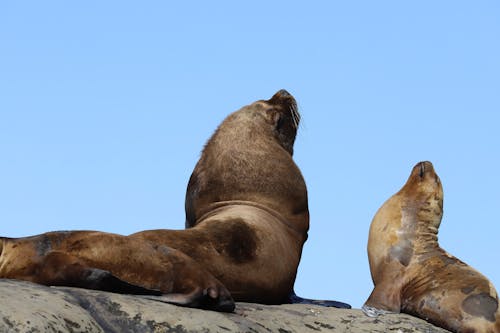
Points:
(422, 169)
(425, 167)
(282, 96)
(283, 93)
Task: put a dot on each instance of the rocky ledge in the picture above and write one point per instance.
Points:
(27, 307)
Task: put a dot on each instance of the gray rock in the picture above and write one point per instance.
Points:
(27, 307)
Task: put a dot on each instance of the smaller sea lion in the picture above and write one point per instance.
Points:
(412, 274)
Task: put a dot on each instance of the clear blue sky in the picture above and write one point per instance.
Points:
(106, 105)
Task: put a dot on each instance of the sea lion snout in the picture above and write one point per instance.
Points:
(424, 167)
(285, 104)
(283, 93)
(424, 172)
(283, 98)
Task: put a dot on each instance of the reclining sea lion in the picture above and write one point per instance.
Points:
(246, 216)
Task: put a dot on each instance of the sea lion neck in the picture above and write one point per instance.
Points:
(421, 222)
(422, 206)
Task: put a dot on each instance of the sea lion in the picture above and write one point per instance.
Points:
(412, 274)
(246, 216)
(246, 205)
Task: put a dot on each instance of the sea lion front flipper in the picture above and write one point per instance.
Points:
(383, 300)
(209, 299)
(294, 299)
(370, 311)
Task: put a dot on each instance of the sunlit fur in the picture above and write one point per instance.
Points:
(412, 274)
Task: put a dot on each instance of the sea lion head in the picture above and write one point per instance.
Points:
(423, 195)
(285, 118)
(276, 117)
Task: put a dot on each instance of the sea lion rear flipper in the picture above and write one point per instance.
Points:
(61, 269)
(98, 279)
(208, 299)
(294, 299)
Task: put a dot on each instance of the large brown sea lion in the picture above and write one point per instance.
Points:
(412, 274)
(246, 216)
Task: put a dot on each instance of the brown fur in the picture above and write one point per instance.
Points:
(412, 274)
(247, 200)
(247, 219)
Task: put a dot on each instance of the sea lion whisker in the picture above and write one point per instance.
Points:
(295, 115)
(294, 121)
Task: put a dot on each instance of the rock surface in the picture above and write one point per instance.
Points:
(27, 307)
